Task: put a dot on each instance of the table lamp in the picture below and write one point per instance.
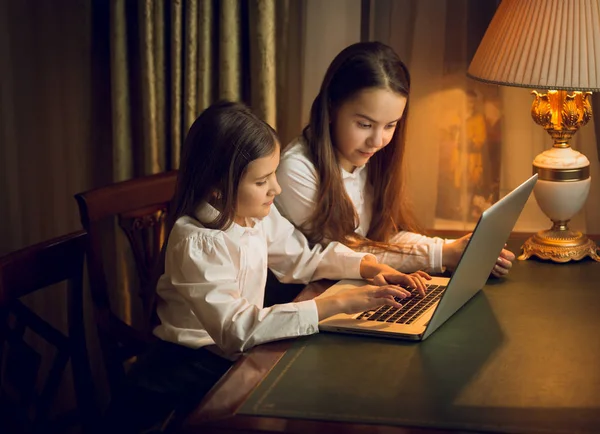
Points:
(554, 46)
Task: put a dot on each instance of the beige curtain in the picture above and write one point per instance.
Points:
(170, 60)
(47, 137)
(46, 127)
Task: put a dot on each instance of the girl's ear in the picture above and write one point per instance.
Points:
(215, 198)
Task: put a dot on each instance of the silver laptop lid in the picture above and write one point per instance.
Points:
(480, 255)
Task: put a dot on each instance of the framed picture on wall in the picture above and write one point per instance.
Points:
(470, 129)
(469, 154)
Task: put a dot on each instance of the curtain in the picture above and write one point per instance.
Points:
(46, 127)
(170, 60)
(47, 136)
(437, 40)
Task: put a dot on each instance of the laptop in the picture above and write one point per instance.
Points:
(419, 317)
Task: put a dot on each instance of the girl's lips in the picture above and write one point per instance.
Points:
(367, 154)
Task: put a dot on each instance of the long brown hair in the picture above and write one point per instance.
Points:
(220, 144)
(358, 67)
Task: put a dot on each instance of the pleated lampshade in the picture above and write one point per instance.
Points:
(541, 44)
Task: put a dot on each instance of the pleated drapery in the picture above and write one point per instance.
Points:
(170, 60)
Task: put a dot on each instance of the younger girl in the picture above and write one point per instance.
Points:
(225, 234)
(342, 179)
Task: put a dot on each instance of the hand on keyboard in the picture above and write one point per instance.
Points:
(412, 307)
(409, 281)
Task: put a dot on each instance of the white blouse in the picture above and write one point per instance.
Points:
(298, 178)
(213, 288)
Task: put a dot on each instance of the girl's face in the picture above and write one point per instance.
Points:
(257, 189)
(365, 124)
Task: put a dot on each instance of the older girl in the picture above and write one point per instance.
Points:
(342, 179)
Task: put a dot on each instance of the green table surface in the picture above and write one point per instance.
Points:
(522, 356)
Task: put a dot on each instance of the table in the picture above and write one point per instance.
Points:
(522, 356)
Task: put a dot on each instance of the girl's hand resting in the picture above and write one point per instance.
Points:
(503, 263)
(359, 299)
(451, 253)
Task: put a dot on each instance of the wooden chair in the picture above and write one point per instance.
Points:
(27, 271)
(139, 207)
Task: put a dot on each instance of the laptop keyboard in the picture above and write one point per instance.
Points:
(412, 307)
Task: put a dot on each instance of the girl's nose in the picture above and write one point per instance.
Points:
(376, 139)
(275, 188)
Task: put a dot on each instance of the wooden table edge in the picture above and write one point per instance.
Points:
(265, 424)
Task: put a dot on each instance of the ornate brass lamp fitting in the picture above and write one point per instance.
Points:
(563, 177)
(561, 114)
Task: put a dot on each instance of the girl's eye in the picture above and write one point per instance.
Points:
(390, 126)
(363, 125)
(261, 182)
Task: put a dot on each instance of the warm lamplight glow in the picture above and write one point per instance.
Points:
(552, 45)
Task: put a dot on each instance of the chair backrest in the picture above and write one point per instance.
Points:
(139, 206)
(21, 273)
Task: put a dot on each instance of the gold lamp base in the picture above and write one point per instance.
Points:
(560, 244)
(563, 177)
